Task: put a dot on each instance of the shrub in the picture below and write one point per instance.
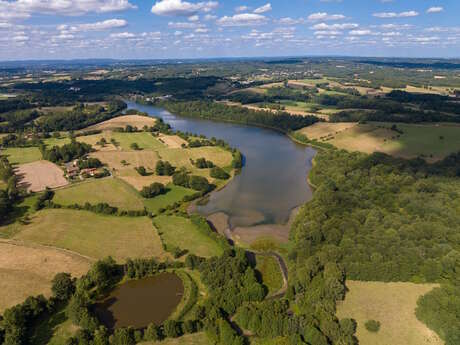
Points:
(153, 190)
(372, 326)
(219, 173)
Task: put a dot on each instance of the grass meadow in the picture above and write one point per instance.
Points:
(180, 232)
(93, 235)
(22, 155)
(393, 305)
(430, 141)
(109, 190)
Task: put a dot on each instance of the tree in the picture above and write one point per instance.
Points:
(134, 146)
(63, 286)
(372, 326)
(219, 173)
(153, 190)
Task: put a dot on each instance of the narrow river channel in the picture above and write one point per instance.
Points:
(273, 181)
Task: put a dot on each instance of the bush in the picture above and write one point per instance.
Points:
(135, 146)
(141, 170)
(202, 163)
(219, 173)
(372, 326)
(153, 190)
(63, 286)
(164, 168)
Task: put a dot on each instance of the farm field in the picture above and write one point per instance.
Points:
(393, 305)
(431, 141)
(27, 270)
(175, 194)
(137, 121)
(51, 142)
(109, 190)
(144, 140)
(22, 155)
(180, 232)
(37, 176)
(93, 235)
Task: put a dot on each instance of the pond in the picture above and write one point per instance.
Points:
(137, 303)
(273, 181)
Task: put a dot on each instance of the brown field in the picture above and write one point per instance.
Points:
(393, 305)
(27, 270)
(134, 159)
(36, 176)
(172, 141)
(324, 129)
(138, 121)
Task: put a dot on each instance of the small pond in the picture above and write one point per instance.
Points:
(137, 303)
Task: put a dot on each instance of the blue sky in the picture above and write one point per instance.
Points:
(142, 29)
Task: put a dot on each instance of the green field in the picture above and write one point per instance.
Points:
(269, 270)
(393, 305)
(180, 232)
(175, 194)
(93, 235)
(22, 155)
(50, 142)
(192, 339)
(431, 141)
(144, 140)
(109, 190)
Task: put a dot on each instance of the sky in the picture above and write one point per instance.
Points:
(162, 29)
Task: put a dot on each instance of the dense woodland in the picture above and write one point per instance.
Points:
(386, 219)
(211, 110)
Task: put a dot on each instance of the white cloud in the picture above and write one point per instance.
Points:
(123, 35)
(290, 21)
(435, 9)
(185, 25)
(360, 32)
(22, 9)
(324, 26)
(194, 18)
(242, 19)
(182, 8)
(100, 26)
(210, 17)
(324, 16)
(396, 15)
(263, 9)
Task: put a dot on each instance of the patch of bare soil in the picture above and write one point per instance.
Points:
(36, 176)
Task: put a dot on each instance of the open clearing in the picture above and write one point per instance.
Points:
(144, 140)
(431, 141)
(190, 339)
(27, 270)
(22, 155)
(174, 194)
(109, 190)
(36, 176)
(137, 121)
(93, 235)
(269, 269)
(180, 232)
(172, 141)
(393, 305)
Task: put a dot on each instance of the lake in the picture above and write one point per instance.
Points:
(273, 181)
(137, 303)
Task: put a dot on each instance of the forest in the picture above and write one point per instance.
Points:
(210, 110)
(386, 219)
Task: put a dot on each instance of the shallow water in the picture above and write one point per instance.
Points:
(137, 303)
(271, 184)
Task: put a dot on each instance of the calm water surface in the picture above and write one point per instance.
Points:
(273, 180)
(137, 303)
